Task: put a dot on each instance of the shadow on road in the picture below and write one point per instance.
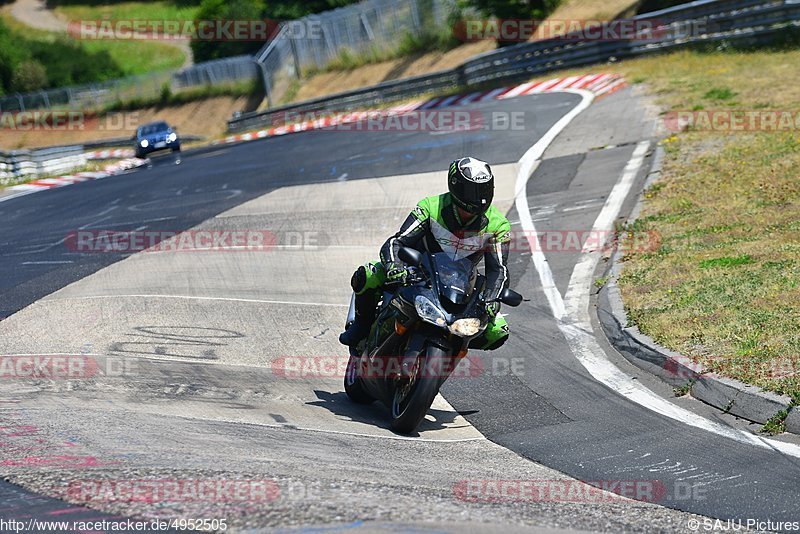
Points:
(376, 413)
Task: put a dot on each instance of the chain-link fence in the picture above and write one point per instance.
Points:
(144, 88)
(372, 27)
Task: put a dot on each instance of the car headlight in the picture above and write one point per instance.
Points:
(144, 143)
(171, 137)
(428, 312)
(466, 327)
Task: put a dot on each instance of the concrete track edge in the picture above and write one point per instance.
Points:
(731, 396)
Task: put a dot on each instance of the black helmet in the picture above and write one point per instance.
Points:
(471, 185)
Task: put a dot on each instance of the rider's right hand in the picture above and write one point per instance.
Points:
(396, 273)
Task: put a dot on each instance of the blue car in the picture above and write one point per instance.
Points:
(156, 136)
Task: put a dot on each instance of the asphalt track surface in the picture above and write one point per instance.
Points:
(203, 336)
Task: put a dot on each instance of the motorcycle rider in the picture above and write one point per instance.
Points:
(462, 223)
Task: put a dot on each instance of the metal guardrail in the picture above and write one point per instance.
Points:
(16, 165)
(720, 21)
(21, 164)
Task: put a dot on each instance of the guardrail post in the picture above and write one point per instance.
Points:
(295, 58)
(267, 84)
(417, 25)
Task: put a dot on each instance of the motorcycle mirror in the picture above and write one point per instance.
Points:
(510, 298)
(410, 256)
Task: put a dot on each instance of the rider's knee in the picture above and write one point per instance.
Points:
(369, 276)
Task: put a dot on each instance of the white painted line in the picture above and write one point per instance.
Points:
(46, 262)
(190, 297)
(584, 206)
(572, 315)
(527, 165)
(17, 195)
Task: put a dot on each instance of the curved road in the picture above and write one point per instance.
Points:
(213, 364)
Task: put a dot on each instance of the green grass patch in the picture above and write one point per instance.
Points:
(724, 285)
(125, 11)
(684, 390)
(776, 424)
(33, 59)
(727, 261)
(139, 57)
(719, 94)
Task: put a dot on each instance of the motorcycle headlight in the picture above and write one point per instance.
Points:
(466, 327)
(145, 143)
(428, 312)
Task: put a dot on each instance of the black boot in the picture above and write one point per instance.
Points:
(365, 316)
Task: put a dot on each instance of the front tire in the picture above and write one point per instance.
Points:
(352, 384)
(409, 407)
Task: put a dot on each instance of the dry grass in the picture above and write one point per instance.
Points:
(594, 9)
(723, 286)
(326, 83)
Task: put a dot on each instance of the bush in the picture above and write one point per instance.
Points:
(205, 50)
(30, 75)
(654, 5)
(166, 94)
(11, 56)
(28, 64)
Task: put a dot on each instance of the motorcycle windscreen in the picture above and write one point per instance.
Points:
(455, 278)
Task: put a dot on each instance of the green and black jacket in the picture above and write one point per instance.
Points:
(434, 226)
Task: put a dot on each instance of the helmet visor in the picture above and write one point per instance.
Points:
(475, 197)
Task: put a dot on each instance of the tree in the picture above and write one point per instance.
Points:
(29, 76)
(514, 9)
(11, 56)
(218, 11)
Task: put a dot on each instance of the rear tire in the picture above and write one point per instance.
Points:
(407, 412)
(352, 384)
